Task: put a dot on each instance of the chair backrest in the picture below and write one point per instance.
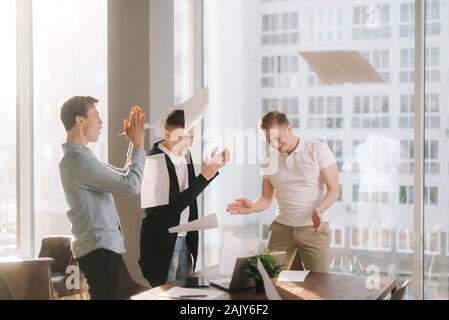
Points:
(28, 279)
(5, 292)
(58, 248)
(398, 293)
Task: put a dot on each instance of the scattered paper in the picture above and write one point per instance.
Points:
(189, 293)
(155, 182)
(337, 67)
(270, 290)
(293, 276)
(195, 108)
(208, 222)
(233, 248)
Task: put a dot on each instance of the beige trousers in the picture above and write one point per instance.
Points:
(313, 247)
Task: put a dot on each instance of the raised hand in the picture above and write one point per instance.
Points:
(134, 127)
(240, 206)
(215, 162)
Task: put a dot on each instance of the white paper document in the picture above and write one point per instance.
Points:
(270, 289)
(208, 222)
(233, 248)
(293, 276)
(341, 66)
(189, 293)
(195, 108)
(155, 183)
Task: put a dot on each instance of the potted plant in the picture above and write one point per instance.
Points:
(269, 262)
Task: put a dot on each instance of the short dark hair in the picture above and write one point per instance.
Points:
(75, 106)
(271, 118)
(174, 120)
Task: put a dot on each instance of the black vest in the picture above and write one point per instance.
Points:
(156, 243)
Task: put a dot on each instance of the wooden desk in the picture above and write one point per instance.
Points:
(28, 279)
(317, 286)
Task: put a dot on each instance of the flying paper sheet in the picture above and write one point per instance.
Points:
(293, 276)
(233, 248)
(195, 108)
(337, 67)
(189, 293)
(270, 290)
(208, 222)
(155, 182)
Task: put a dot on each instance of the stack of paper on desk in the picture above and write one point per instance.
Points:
(208, 222)
(293, 276)
(188, 293)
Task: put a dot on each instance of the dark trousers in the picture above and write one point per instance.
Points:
(101, 268)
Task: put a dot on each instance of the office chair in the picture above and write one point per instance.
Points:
(27, 279)
(58, 248)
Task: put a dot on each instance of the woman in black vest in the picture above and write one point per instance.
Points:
(168, 256)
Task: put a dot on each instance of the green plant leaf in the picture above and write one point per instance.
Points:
(269, 262)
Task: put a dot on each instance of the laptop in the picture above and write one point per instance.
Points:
(239, 280)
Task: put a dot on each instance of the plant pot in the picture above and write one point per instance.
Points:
(260, 287)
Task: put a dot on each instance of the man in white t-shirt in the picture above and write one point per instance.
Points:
(303, 178)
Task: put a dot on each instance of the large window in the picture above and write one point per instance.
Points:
(183, 55)
(69, 58)
(63, 45)
(8, 204)
(436, 221)
(358, 121)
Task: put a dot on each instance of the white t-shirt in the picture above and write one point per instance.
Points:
(298, 185)
(182, 174)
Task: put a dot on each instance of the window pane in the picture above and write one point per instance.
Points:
(373, 111)
(8, 199)
(70, 58)
(436, 220)
(183, 51)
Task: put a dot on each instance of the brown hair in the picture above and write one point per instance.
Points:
(75, 106)
(273, 118)
(174, 120)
